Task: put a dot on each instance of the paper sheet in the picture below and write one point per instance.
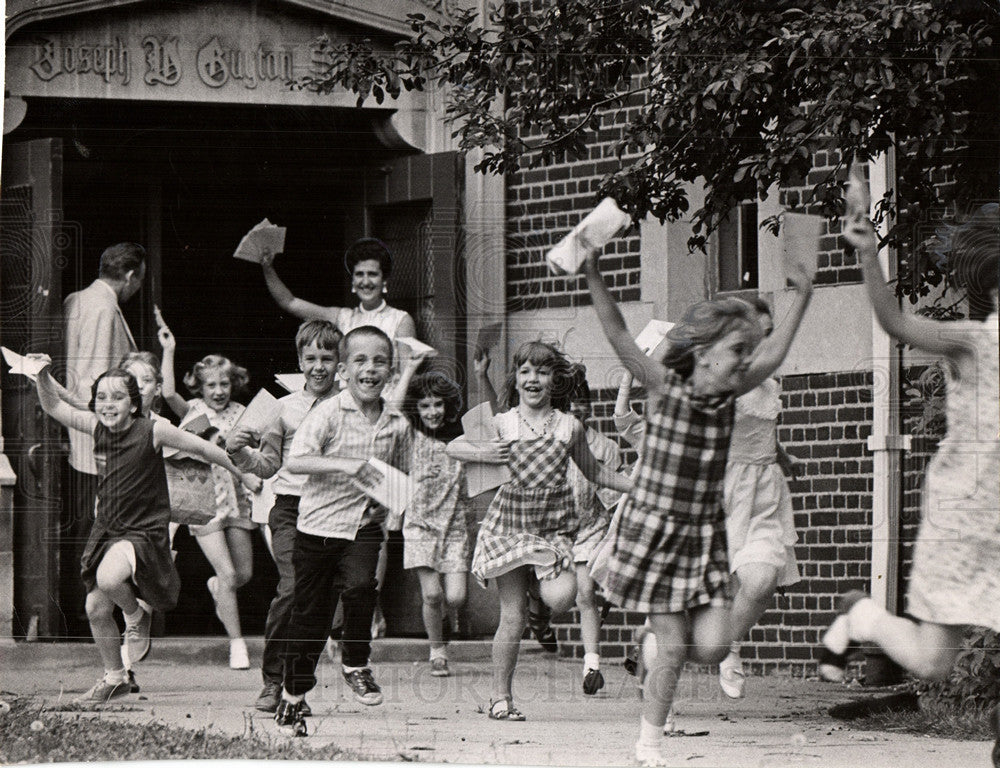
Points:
(857, 199)
(800, 242)
(488, 337)
(415, 346)
(597, 229)
(263, 236)
(293, 382)
(23, 366)
(259, 412)
(478, 426)
(261, 503)
(653, 335)
(394, 490)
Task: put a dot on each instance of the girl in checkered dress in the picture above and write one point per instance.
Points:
(669, 559)
(529, 528)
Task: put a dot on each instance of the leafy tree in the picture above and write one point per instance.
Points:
(738, 93)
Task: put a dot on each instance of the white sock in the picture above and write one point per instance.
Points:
(649, 734)
(863, 617)
(289, 698)
(131, 619)
(591, 661)
(236, 642)
(115, 675)
(441, 652)
(348, 670)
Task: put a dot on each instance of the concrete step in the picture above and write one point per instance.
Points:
(215, 650)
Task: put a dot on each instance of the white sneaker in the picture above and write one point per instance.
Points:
(239, 657)
(731, 676)
(670, 726)
(647, 755)
(136, 639)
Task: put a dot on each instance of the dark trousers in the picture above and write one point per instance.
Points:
(77, 520)
(281, 521)
(325, 570)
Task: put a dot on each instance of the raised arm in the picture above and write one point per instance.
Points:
(396, 397)
(591, 468)
(649, 372)
(169, 392)
(166, 434)
(921, 332)
(54, 405)
(484, 388)
(771, 351)
(304, 310)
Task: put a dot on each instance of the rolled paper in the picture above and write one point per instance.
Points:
(596, 230)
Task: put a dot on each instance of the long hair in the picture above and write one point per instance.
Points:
(539, 354)
(434, 384)
(704, 324)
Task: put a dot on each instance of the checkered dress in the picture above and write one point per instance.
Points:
(669, 552)
(531, 520)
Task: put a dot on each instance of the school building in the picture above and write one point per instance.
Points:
(175, 125)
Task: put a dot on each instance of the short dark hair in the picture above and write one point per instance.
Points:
(434, 383)
(364, 330)
(131, 386)
(319, 332)
(369, 249)
(120, 259)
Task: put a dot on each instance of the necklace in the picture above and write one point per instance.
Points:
(545, 425)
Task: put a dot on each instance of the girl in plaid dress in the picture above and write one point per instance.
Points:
(669, 559)
(529, 528)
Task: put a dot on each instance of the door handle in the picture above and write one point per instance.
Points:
(34, 467)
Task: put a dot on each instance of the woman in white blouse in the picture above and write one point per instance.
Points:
(369, 263)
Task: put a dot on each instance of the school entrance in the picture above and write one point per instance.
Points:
(140, 143)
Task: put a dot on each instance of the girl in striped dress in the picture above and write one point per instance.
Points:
(669, 559)
(530, 526)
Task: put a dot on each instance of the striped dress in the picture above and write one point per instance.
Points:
(531, 520)
(669, 550)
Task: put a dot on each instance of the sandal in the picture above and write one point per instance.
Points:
(507, 712)
(539, 625)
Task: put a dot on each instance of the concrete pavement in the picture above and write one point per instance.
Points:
(782, 722)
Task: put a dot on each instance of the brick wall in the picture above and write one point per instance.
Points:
(835, 265)
(825, 423)
(543, 204)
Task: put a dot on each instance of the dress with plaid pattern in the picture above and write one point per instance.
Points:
(531, 520)
(669, 551)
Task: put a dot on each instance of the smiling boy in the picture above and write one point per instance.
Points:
(317, 344)
(339, 528)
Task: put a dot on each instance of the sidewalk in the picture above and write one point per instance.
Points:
(782, 722)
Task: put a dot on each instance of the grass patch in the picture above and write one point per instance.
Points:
(931, 720)
(33, 733)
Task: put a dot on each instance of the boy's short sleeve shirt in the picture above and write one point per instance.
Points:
(331, 505)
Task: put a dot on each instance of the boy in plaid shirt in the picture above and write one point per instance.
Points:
(339, 527)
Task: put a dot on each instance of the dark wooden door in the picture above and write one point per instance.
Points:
(34, 241)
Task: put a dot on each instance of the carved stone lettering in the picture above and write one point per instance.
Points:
(163, 60)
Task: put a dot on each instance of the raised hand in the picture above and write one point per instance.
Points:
(267, 258)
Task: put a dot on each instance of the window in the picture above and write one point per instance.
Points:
(738, 249)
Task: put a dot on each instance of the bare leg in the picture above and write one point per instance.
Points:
(454, 594)
(757, 584)
(433, 597)
(926, 649)
(100, 613)
(216, 549)
(513, 587)
(663, 672)
(559, 593)
(114, 575)
(586, 603)
(711, 634)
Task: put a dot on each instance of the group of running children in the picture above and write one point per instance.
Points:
(701, 536)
